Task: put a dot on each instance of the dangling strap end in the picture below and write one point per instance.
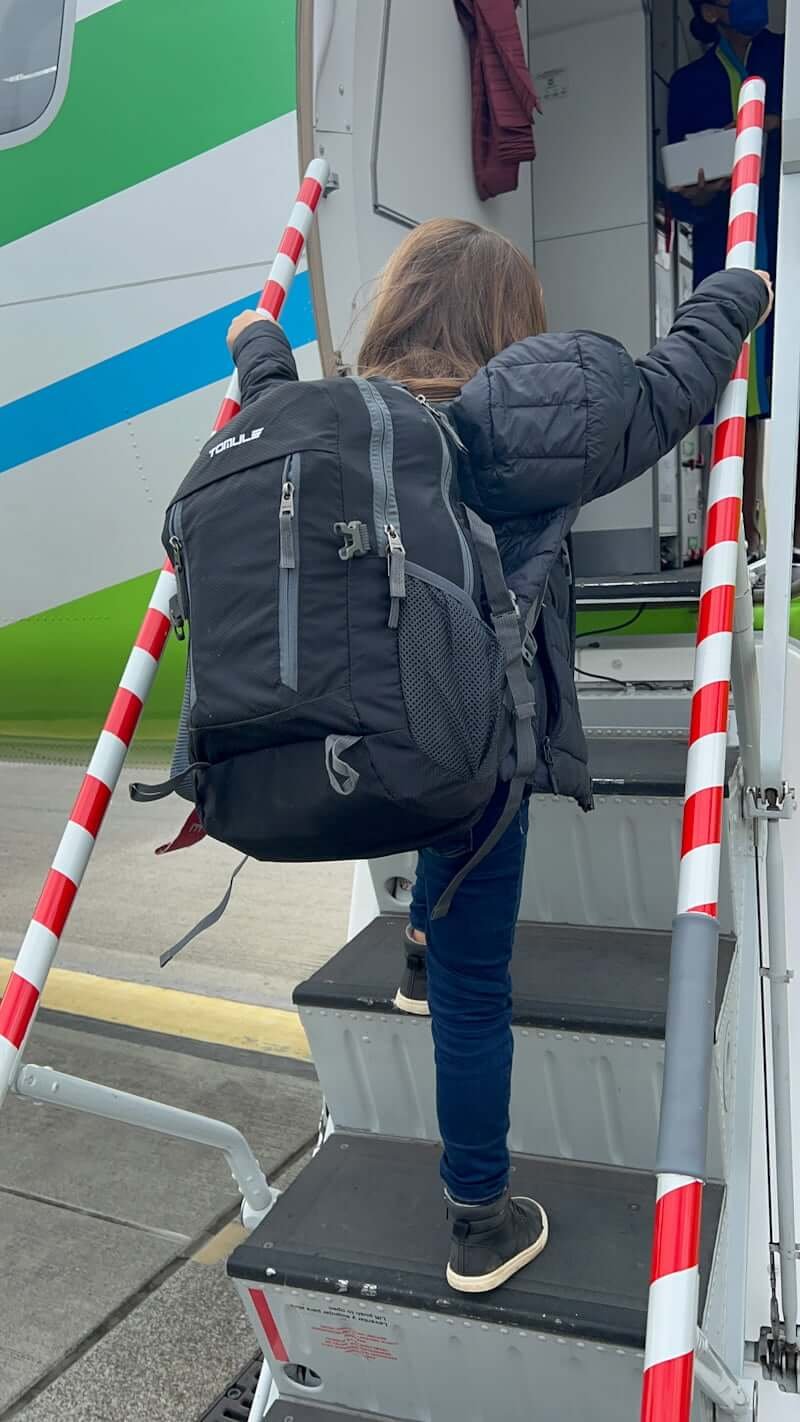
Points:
(144, 794)
(516, 791)
(208, 922)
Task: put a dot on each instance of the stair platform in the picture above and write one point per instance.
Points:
(366, 1219)
(586, 1001)
(673, 587)
(346, 1275)
(639, 765)
(601, 868)
(571, 979)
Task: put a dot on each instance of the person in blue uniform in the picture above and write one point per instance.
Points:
(705, 95)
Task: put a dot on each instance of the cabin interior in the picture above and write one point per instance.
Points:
(392, 112)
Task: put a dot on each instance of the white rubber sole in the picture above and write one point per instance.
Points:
(484, 1283)
(413, 942)
(409, 1004)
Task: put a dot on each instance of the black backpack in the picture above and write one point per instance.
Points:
(356, 680)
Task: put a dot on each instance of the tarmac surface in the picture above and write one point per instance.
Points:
(115, 1303)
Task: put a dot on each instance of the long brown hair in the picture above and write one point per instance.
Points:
(451, 296)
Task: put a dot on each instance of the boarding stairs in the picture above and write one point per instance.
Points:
(343, 1274)
(344, 1279)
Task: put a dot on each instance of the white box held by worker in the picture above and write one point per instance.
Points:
(712, 151)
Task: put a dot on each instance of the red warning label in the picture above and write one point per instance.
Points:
(345, 1339)
(350, 1328)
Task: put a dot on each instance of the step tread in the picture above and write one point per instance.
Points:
(566, 978)
(645, 765)
(674, 586)
(369, 1210)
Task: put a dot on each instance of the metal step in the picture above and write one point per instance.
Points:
(674, 587)
(634, 765)
(346, 1276)
(589, 1016)
(619, 865)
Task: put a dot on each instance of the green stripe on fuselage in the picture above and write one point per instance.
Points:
(60, 669)
(152, 84)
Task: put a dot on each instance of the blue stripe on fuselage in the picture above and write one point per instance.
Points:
(127, 384)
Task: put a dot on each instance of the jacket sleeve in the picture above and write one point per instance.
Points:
(665, 394)
(262, 354)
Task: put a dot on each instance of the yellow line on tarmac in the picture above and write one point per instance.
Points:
(178, 1014)
(220, 1245)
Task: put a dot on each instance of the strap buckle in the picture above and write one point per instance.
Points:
(356, 539)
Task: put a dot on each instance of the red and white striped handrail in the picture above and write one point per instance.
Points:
(283, 268)
(674, 1278)
(38, 950)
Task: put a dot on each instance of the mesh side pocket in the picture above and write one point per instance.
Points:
(452, 675)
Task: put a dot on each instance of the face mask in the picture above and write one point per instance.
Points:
(749, 17)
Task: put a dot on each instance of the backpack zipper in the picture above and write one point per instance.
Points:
(180, 564)
(397, 573)
(289, 571)
(176, 554)
(443, 424)
(440, 418)
(386, 514)
(286, 525)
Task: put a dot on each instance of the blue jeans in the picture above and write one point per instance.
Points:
(469, 994)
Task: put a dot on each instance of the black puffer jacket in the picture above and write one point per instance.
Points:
(550, 424)
(558, 420)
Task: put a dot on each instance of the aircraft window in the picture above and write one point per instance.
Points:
(33, 48)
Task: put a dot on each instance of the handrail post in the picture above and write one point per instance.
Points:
(48, 1087)
(776, 801)
(35, 958)
(681, 1155)
(744, 673)
(786, 1244)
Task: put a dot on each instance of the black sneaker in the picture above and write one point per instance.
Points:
(492, 1242)
(412, 994)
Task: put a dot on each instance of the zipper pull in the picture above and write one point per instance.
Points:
(176, 618)
(286, 525)
(397, 573)
(547, 753)
(178, 609)
(567, 561)
(441, 420)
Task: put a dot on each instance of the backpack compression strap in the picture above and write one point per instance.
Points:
(506, 624)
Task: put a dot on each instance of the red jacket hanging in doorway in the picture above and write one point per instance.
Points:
(503, 97)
